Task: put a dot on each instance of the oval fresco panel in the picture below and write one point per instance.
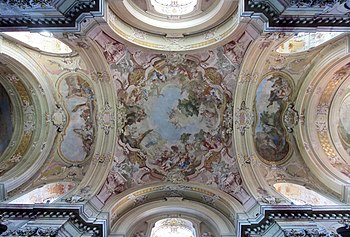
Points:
(78, 136)
(6, 125)
(273, 94)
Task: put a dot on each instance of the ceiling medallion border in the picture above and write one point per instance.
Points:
(162, 43)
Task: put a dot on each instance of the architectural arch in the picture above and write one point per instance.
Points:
(300, 67)
(37, 99)
(320, 153)
(197, 213)
(216, 209)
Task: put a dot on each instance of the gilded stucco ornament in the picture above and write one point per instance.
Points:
(12, 78)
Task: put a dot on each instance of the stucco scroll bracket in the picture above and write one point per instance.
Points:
(58, 118)
(291, 118)
(244, 118)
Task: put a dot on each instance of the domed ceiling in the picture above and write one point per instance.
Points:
(149, 24)
(177, 111)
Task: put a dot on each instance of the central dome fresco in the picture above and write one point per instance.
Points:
(175, 25)
(174, 116)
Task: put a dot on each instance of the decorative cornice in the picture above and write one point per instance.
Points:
(314, 15)
(55, 15)
(298, 214)
(74, 214)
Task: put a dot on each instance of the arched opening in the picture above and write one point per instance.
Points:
(173, 227)
(174, 7)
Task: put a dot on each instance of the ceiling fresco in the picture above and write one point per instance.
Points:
(6, 124)
(78, 101)
(175, 121)
(220, 130)
(272, 97)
